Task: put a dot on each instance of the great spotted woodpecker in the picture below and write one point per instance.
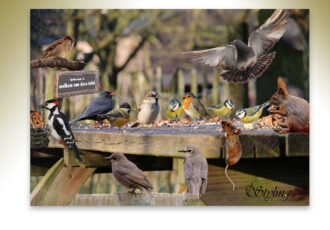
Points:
(59, 126)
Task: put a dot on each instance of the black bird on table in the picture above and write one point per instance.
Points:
(241, 62)
(102, 104)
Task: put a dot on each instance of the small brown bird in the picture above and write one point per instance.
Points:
(195, 169)
(59, 48)
(193, 107)
(233, 146)
(127, 174)
(149, 109)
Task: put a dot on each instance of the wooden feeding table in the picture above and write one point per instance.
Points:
(274, 169)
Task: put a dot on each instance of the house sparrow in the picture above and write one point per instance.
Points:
(59, 48)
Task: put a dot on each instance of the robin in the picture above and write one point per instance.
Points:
(195, 170)
(193, 107)
(224, 109)
(149, 109)
(118, 117)
(252, 114)
(128, 174)
(102, 104)
(174, 110)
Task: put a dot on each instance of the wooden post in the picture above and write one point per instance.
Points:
(215, 87)
(60, 185)
(181, 83)
(193, 82)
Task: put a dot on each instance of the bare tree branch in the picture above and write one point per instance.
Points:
(57, 62)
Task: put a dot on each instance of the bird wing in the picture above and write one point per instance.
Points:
(52, 47)
(265, 37)
(116, 114)
(63, 128)
(199, 107)
(97, 106)
(252, 110)
(204, 172)
(132, 173)
(223, 56)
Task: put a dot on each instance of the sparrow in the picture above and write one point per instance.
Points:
(224, 109)
(193, 107)
(252, 114)
(102, 104)
(174, 110)
(233, 146)
(195, 170)
(148, 110)
(59, 48)
(241, 62)
(118, 117)
(59, 127)
(128, 174)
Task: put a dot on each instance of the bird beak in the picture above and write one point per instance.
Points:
(182, 151)
(108, 158)
(112, 93)
(42, 106)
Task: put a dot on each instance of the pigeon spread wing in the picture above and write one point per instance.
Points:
(224, 56)
(265, 37)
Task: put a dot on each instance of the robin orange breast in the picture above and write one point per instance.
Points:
(193, 107)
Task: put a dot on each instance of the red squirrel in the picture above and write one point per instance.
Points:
(233, 146)
(296, 109)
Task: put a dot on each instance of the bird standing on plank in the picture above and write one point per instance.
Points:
(59, 126)
(241, 62)
(102, 104)
(252, 114)
(195, 170)
(149, 109)
(224, 109)
(174, 110)
(118, 117)
(193, 107)
(59, 48)
(128, 174)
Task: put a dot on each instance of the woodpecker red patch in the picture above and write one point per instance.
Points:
(57, 103)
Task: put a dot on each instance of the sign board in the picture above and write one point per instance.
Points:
(71, 83)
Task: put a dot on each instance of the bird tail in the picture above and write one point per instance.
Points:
(135, 124)
(231, 181)
(263, 63)
(235, 76)
(77, 152)
(149, 194)
(75, 120)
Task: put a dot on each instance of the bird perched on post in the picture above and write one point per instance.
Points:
(252, 114)
(118, 117)
(59, 48)
(174, 110)
(102, 104)
(193, 107)
(127, 174)
(149, 109)
(224, 109)
(59, 126)
(233, 146)
(241, 62)
(195, 170)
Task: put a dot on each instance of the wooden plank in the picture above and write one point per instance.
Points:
(59, 185)
(260, 182)
(156, 142)
(125, 199)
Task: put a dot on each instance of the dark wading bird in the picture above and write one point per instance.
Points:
(195, 169)
(102, 104)
(59, 126)
(127, 174)
(241, 62)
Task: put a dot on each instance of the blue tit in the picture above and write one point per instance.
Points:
(252, 114)
(174, 110)
(223, 109)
